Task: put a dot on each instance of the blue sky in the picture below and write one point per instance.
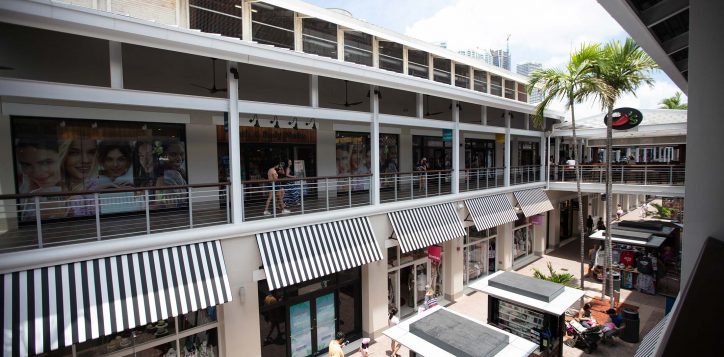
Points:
(542, 31)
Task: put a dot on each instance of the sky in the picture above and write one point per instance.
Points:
(543, 31)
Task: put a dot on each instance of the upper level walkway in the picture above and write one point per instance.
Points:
(661, 180)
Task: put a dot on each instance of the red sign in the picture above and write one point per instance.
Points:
(537, 219)
(434, 253)
(624, 118)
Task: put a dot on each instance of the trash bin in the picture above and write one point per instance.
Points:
(631, 332)
(616, 281)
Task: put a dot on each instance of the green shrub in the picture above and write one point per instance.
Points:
(563, 278)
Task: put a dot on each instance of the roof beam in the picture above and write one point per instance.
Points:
(676, 44)
(683, 65)
(663, 11)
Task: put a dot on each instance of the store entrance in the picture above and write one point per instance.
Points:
(312, 324)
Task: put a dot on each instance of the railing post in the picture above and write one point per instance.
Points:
(38, 221)
(396, 178)
(326, 191)
(301, 195)
(148, 211)
(274, 199)
(96, 206)
(349, 190)
(646, 173)
(371, 192)
(671, 175)
(412, 185)
(228, 203)
(191, 210)
(439, 183)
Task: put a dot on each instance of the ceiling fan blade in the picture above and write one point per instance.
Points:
(353, 103)
(435, 113)
(7, 68)
(200, 86)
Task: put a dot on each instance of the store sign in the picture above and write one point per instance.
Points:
(500, 138)
(434, 253)
(624, 118)
(537, 219)
(447, 135)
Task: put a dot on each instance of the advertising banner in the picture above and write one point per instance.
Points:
(300, 330)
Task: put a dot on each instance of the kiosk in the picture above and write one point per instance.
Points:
(530, 308)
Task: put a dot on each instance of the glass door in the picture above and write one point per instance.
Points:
(300, 329)
(326, 320)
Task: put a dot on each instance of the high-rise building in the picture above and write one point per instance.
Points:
(526, 69)
(479, 54)
(501, 58)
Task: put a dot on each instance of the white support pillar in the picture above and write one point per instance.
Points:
(375, 145)
(543, 160)
(298, 39)
(456, 148)
(234, 144)
(506, 176)
(376, 52)
(405, 60)
(452, 73)
(430, 67)
(246, 28)
(115, 53)
(340, 43)
(487, 83)
(483, 115)
(526, 125)
(471, 75)
(557, 154)
(420, 105)
(314, 91)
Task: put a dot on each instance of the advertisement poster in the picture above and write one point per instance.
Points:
(66, 156)
(300, 329)
(353, 157)
(325, 319)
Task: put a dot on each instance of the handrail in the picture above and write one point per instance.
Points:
(415, 172)
(110, 190)
(603, 165)
(292, 179)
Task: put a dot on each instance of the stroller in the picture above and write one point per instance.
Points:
(584, 338)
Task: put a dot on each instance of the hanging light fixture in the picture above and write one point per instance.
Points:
(313, 123)
(276, 122)
(255, 119)
(295, 121)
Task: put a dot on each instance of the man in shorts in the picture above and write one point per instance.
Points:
(273, 176)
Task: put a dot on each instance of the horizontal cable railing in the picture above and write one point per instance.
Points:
(37, 220)
(402, 186)
(268, 199)
(670, 175)
(524, 174)
(481, 178)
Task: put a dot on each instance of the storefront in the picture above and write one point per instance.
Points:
(353, 156)
(408, 275)
(479, 153)
(528, 153)
(301, 319)
(437, 152)
(480, 253)
(522, 239)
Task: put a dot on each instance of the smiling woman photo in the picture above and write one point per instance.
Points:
(115, 156)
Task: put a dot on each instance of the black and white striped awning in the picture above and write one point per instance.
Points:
(294, 255)
(491, 211)
(53, 307)
(533, 202)
(422, 227)
(652, 340)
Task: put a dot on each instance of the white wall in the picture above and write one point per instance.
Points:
(704, 165)
(374, 283)
(201, 151)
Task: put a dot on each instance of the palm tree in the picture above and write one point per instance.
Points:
(572, 85)
(673, 102)
(623, 68)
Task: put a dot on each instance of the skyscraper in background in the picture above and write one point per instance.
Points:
(501, 58)
(526, 69)
(478, 54)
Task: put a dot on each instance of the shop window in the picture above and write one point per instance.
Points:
(479, 153)
(272, 25)
(417, 63)
(522, 92)
(353, 154)
(480, 81)
(509, 89)
(441, 71)
(358, 48)
(215, 16)
(437, 152)
(496, 85)
(522, 238)
(86, 155)
(479, 254)
(391, 56)
(462, 76)
(319, 37)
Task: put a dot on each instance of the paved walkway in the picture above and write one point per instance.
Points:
(566, 258)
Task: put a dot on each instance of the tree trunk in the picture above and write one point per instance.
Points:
(578, 155)
(609, 203)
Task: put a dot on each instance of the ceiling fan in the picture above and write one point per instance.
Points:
(427, 103)
(213, 88)
(346, 103)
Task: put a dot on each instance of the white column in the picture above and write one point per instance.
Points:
(430, 66)
(298, 40)
(405, 60)
(314, 90)
(246, 19)
(504, 247)
(471, 75)
(487, 83)
(483, 115)
(506, 177)
(116, 62)
(452, 269)
(543, 161)
(456, 148)
(375, 145)
(234, 144)
(376, 52)
(420, 105)
(340, 43)
(526, 125)
(452, 73)
(557, 154)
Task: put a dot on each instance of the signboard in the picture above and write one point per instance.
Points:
(300, 330)
(434, 253)
(326, 321)
(624, 118)
(447, 135)
(500, 138)
(537, 219)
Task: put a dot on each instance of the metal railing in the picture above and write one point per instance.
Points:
(524, 174)
(401, 186)
(268, 199)
(482, 178)
(38, 220)
(671, 175)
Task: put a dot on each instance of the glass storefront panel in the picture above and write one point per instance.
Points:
(54, 155)
(479, 254)
(522, 238)
(272, 25)
(417, 63)
(391, 56)
(407, 279)
(480, 81)
(353, 155)
(437, 152)
(300, 329)
(358, 48)
(479, 153)
(202, 344)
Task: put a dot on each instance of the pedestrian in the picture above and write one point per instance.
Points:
(589, 224)
(364, 350)
(335, 346)
(619, 212)
(422, 169)
(393, 321)
(430, 299)
(599, 225)
(273, 176)
(644, 209)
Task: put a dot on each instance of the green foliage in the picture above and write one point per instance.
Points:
(563, 278)
(663, 211)
(673, 102)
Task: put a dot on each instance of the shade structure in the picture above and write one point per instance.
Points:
(422, 227)
(533, 202)
(53, 307)
(294, 255)
(490, 211)
(653, 339)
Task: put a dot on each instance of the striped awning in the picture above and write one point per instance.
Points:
(652, 340)
(533, 202)
(53, 307)
(491, 211)
(422, 227)
(294, 255)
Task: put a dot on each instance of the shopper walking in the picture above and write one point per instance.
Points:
(589, 224)
(644, 209)
(422, 169)
(619, 212)
(275, 189)
(393, 321)
(335, 346)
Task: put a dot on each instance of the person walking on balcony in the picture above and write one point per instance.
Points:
(276, 189)
(644, 209)
(422, 169)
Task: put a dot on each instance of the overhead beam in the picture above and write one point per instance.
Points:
(683, 65)
(676, 44)
(663, 11)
